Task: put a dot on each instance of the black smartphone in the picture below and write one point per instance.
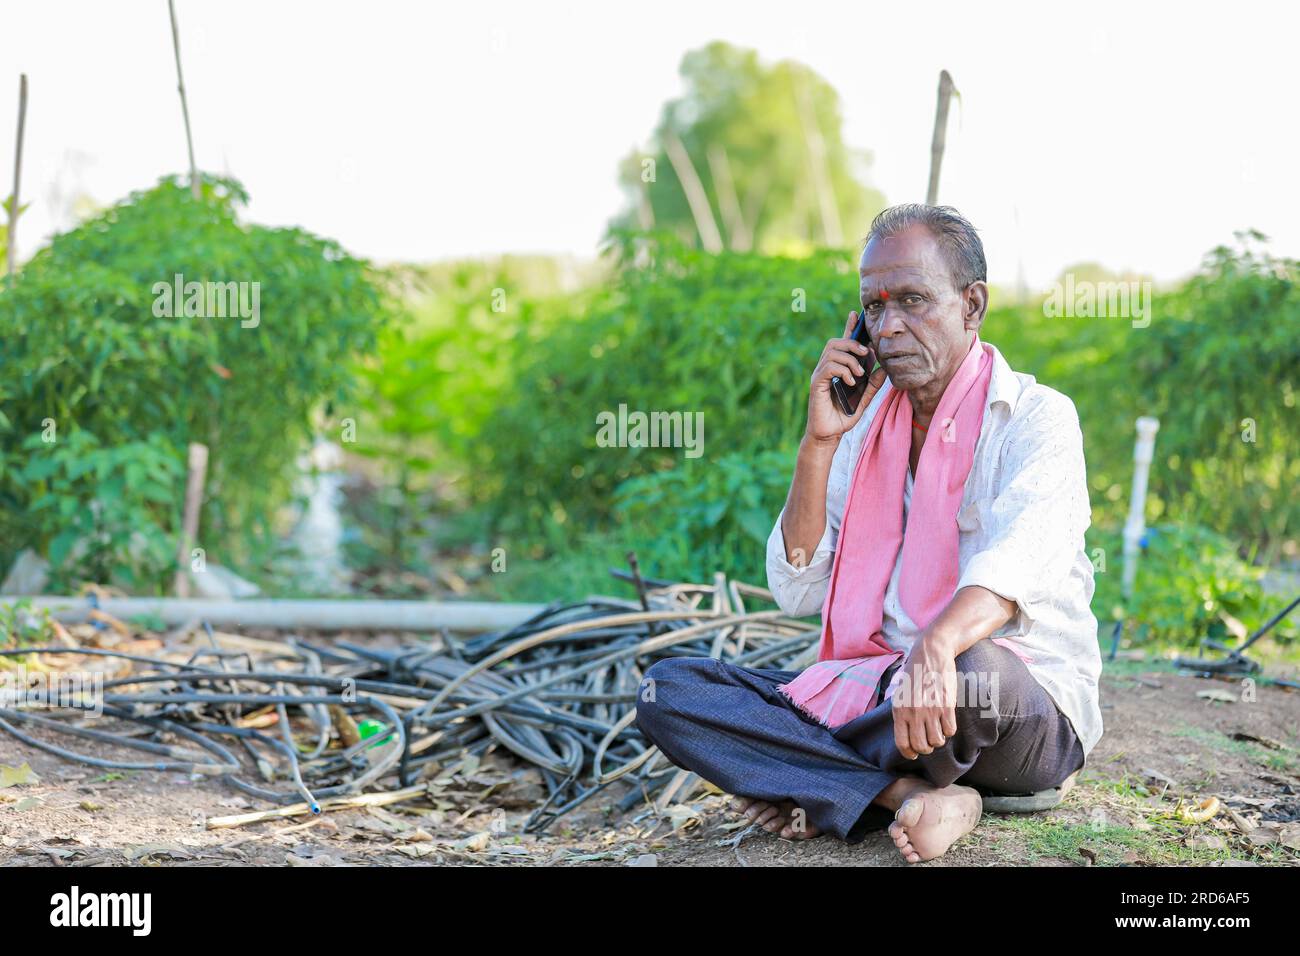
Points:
(848, 396)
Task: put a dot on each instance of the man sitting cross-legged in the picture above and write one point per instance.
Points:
(945, 521)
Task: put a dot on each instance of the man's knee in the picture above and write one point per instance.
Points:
(665, 693)
(979, 684)
(982, 656)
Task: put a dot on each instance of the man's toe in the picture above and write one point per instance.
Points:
(806, 832)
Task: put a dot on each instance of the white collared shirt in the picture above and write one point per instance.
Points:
(1021, 525)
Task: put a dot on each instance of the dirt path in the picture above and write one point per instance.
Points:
(1163, 742)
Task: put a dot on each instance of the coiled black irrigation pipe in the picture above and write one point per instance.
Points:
(558, 691)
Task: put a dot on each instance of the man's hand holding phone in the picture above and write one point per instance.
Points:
(845, 367)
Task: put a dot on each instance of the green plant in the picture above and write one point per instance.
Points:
(22, 626)
(1222, 372)
(91, 342)
(5, 205)
(432, 390)
(730, 337)
(388, 532)
(107, 512)
(1217, 365)
(699, 517)
(1190, 580)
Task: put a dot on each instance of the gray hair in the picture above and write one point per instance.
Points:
(957, 238)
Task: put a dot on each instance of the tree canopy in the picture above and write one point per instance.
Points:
(750, 158)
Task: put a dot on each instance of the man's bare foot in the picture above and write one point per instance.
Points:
(785, 819)
(931, 819)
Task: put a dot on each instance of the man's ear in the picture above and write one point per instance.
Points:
(975, 303)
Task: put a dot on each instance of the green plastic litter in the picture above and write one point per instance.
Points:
(369, 728)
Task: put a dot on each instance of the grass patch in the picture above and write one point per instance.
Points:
(1112, 844)
(1127, 668)
(1216, 740)
(1117, 823)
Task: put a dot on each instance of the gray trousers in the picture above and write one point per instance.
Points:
(731, 726)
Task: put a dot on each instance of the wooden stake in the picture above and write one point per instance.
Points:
(198, 465)
(10, 241)
(946, 91)
(185, 108)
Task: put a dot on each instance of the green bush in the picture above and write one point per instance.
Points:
(1189, 581)
(1221, 369)
(90, 364)
(730, 336)
(1222, 351)
(431, 394)
(104, 505)
(706, 516)
(1086, 360)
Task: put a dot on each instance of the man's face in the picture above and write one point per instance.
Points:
(919, 322)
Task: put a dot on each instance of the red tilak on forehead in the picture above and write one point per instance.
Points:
(884, 294)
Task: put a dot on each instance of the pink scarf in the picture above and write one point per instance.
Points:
(854, 656)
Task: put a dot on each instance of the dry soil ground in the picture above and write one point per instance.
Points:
(1165, 742)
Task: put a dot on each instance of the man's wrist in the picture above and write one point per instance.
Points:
(818, 449)
(943, 639)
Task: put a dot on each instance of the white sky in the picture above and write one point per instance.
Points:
(1135, 134)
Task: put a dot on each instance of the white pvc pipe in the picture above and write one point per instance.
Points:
(1136, 525)
(292, 614)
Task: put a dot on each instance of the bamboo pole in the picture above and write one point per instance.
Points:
(11, 252)
(832, 231)
(696, 198)
(645, 212)
(739, 236)
(946, 91)
(185, 107)
(337, 803)
(755, 198)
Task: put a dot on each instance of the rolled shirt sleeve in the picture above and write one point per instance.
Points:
(801, 591)
(1032, 526)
